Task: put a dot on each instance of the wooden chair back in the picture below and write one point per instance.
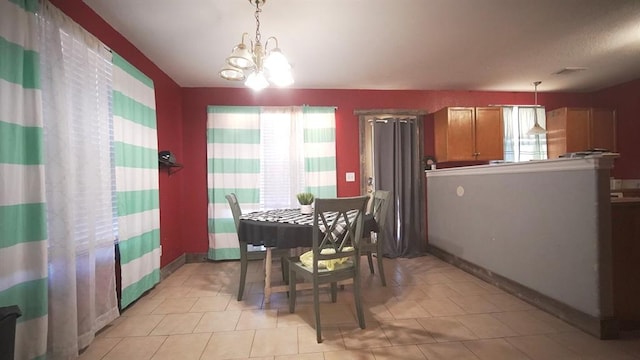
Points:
(338, 225)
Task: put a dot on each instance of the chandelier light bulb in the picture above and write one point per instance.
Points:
(257, 81)
(281, 78)
(276, 61)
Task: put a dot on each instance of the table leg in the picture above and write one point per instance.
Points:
(267, 277)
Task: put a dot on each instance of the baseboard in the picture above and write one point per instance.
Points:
(196, 257)
(186, 258)
(172, 267)
(606, 328)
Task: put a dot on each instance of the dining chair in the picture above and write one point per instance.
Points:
(250, 252)
(337, 231)
(373, 242)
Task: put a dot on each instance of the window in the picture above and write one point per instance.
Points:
(78, 130)
(76, 73)
(518, 146)
(282, 158)
(265, 155)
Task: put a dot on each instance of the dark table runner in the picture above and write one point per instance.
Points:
(284, 228)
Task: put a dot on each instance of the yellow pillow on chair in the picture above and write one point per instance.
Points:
(307, 259)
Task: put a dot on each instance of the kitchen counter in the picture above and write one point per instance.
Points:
(540, 230)
(626, 201)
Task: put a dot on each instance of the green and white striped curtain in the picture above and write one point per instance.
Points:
(136, 150)
(320, 151)
(233, 165)
(23, 233)
(234, 153)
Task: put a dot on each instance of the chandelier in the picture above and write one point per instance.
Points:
(257, 66)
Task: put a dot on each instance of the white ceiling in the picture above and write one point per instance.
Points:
(491, 45)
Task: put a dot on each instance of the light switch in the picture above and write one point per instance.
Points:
(351, 177)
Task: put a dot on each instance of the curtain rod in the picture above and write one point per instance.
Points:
(505, 105)
(328, 106)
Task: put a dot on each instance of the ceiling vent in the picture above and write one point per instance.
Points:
(570, 70)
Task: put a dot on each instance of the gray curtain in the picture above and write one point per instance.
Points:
(397, 169)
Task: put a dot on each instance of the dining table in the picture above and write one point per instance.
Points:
(283, 229)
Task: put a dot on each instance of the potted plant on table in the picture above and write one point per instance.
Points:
(305, 199)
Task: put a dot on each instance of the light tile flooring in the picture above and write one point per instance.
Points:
(429, 310)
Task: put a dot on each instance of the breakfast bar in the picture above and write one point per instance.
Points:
(541, 230)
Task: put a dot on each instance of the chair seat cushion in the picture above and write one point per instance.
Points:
(307, 259)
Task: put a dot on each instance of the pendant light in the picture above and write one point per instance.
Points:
(536, 129)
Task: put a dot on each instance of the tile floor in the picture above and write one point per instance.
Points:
(429, 310)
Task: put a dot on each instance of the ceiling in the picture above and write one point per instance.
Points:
(486, 45)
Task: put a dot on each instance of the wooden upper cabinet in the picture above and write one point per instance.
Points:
(468, 133)
(577, 129)
(489, 133)
(454, 134)
(603, 129)
(580, 129)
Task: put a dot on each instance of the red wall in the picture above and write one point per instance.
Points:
(181, 115)
(625, 98)
(196, 100)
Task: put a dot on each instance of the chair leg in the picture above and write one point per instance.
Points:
(370, 262)
(292, 290)
(316, 310)
(243, 269)
(334, 292)
(379, 257)
(284, 264)
(357, 300)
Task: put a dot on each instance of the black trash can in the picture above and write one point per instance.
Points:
(8, 317)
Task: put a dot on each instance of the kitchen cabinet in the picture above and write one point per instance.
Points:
(468, 134)
(625, 248)
(580, 129)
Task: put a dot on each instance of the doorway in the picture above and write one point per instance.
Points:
(391, 152)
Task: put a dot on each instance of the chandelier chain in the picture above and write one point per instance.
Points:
(257, 15)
